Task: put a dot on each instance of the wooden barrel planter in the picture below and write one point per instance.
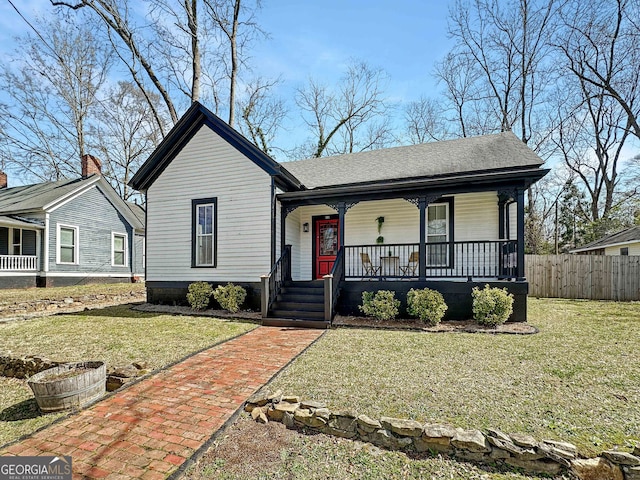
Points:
(67, 386)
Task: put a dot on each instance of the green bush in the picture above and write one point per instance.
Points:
(381, 305)
(230, 297)
(426, 304)
(491, 306)
(199, 295)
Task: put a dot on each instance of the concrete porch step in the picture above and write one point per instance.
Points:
(295, 322)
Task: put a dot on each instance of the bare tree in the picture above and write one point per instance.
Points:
(184, 57)
(238, 28)
(124, 135)
(423, 121)
(261, 114)
(602, 48)
(342, 120)
(53, 91)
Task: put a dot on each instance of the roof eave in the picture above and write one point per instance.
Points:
(526, 176)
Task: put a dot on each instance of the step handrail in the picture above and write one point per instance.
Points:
(332, 283)
(272, 283)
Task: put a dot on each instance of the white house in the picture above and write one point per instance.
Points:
(307, 237)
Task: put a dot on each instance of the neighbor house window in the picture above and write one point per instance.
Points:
(624, 251)
(205, 216)
(17, 241)
(67, 244)
(438, 233)
(119, 249)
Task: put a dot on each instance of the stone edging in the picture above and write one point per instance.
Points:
(517, 450)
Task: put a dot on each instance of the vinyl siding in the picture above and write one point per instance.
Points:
(475, 218)
(138, 255)
(209, 167)
(634, 249)
(96, 219)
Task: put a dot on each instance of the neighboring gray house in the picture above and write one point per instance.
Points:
(307, 237)
(69, 232)
(624, 242)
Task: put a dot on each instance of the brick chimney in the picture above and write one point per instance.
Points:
(3, 179)
(90, 165)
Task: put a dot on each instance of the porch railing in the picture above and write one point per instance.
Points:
(280, 273)
(23, 263)
(332, 285)
(472, 259)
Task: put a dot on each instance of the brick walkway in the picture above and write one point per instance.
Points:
(149, 429)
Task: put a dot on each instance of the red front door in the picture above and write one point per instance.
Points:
(326, 242)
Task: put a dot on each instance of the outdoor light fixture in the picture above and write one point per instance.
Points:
(305, 227)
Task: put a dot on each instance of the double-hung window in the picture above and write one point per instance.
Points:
(67, 244)
(204, 228)
(119, 249)
(438, 234)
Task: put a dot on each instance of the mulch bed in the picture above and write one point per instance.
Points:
(451, 326)
(347, 321)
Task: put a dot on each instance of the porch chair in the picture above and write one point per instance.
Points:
(412, 265)
(370, 270)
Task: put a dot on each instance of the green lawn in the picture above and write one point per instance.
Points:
(577, 380)
(116, 335)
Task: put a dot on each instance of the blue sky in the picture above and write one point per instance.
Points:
(318, 39)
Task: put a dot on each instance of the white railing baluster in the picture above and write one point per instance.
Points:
(22, 263)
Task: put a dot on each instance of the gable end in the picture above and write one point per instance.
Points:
(185, 129)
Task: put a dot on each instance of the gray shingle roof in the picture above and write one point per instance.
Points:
(138, 211)
(488, 152)
(624, 236)
(34, 197)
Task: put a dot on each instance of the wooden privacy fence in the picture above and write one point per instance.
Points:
(597, 277)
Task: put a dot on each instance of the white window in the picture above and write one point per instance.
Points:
(438, 233)
(119, 249)
(68, 248)
(204, 232)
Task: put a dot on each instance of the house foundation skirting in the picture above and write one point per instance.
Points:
(457, 296)
(175, 293)
(21, 280)
(71, 280)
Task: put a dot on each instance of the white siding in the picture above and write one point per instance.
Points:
(209, 167)
(293, 234)
(634, 249)
(475, 218)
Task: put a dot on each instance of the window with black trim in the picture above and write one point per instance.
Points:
(204, 232)
(624, 251)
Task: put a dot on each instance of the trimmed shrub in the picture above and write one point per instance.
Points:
(230, 297)
(491, 306)
(199, 295)
(382, 305)
(426, 304)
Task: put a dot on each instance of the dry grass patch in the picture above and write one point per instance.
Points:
(116, 335)
(251, 450)
(577, 380)
(20, 295)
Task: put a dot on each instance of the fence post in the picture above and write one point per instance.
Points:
(264, 295)
(328, 297)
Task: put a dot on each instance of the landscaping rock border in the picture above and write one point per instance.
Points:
(493, 446)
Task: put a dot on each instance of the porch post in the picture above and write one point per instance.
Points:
(520, 200)
(283, 233)
(342, 208)
(422, 248)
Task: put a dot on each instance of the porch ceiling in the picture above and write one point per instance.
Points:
(440, 185)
